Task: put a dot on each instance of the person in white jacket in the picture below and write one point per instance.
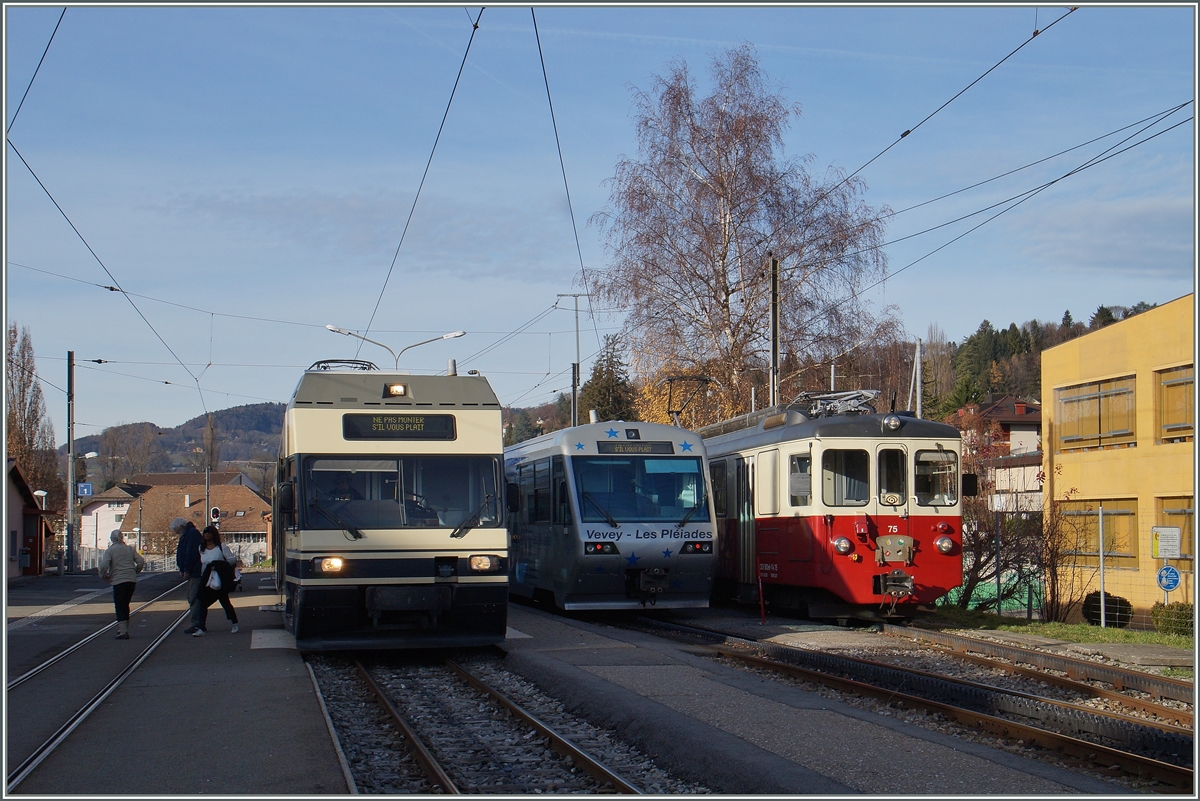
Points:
(119, 566)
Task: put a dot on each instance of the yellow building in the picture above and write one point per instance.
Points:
(1118, 420)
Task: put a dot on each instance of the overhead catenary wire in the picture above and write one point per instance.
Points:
(108, 272)
(566, 186)
(907, 132)
(424, 175)
(36, 70)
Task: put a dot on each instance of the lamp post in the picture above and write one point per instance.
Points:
(395, 356)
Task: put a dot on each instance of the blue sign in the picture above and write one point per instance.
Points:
(84, 490)
(1168, 578)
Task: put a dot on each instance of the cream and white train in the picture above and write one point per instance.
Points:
(612, 515)
(389, 518)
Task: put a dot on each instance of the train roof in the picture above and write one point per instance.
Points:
(782, 424)
(366, 389)
(589, 434)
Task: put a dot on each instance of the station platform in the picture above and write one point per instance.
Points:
(226, 714)
(740, 733)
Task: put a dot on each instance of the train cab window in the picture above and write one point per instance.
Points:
(845, 478)
(892, 470)
(800, 480)
(935, 478)
(717, 471)
(366, 492)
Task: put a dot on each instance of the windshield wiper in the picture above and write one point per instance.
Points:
(358, 535)
(688, 516)
(587, 496)
(472, 521)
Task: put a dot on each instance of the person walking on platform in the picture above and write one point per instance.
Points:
(187, 557)
(119, 566)
(218, 559)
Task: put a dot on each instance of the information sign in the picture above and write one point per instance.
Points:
(1168, 578)
(1164, 542)
(84, 490)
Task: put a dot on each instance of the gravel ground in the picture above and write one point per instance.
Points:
(936, 722)
(479, 743)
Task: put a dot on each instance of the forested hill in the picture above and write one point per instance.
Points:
(245, 435)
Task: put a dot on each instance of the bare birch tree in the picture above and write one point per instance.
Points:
(692, 220)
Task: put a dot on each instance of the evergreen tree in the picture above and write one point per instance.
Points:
(1101, 318)
(1067, 320)
(609, 390)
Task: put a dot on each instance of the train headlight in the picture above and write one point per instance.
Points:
(892, 422)
(696, 547)
(843, 545)
(329, 564)
(484, 563)
(395, 390)
(599, 547)
(944, 544)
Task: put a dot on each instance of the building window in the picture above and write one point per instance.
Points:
(1176, 410)
(1120, 531)
(1180, 512)
(1098, 414)
(118, 518)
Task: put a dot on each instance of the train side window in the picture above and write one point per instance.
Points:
(891, 477)
(717, 471)
(527, 509)
(558, 477)
(935, 478)
(800, 480)
(541, 491)
(845, 478)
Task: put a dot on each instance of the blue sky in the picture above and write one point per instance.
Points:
(261, 163)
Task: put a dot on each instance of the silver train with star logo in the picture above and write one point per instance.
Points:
(612, 515)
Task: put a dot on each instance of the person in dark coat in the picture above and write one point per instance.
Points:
(217, 558)
(187, 557)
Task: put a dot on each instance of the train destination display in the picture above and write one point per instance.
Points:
(398, 426)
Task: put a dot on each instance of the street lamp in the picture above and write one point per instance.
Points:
(395, 356)
(41, 496)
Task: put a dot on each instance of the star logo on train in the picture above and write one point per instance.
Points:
(633, 559)
(578, 446)
(612, 432)
(685, 446)
(667, 553)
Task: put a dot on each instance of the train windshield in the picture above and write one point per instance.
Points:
(408, 492)
(640, 489)
(935, 478)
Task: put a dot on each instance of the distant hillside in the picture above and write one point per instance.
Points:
(248, 437)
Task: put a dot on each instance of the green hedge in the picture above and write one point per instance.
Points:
(1117, 610)
(1174, 618)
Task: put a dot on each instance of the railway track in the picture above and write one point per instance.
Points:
(1131, 745)
(459, 733)
(1009, 660)
(23, 694)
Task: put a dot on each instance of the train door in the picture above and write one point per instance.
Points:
(894, 536)
(798, 538)
(768, 532)
(747, 561)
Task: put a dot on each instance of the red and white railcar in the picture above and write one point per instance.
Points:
(831, 508)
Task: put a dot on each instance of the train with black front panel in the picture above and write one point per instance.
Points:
(827, 507)
(612, 516)
(389, 511)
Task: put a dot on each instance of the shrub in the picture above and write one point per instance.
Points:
(1174, 618)
(1117, 610)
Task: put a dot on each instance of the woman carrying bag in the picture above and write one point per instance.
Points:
(217, 561)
